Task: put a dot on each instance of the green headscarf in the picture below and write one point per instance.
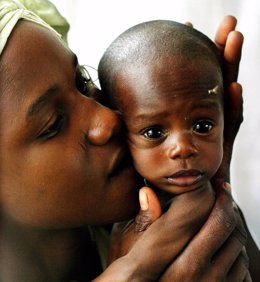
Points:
(49, 13)
(42, 12)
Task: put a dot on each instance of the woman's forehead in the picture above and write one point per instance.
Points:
(31, 37)
(31, 50)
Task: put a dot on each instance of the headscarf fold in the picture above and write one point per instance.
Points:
(42, 12)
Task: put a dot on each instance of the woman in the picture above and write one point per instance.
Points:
(62, 172)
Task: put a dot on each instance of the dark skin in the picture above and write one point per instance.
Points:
(173, 126)
(227, 41)
(219, 263)
(50, 144)
(45, 222)
(131, 105)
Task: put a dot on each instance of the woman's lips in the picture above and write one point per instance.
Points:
(185, 177)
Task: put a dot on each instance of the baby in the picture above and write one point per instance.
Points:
(165, 79)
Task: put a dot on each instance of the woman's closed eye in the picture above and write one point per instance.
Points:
(53, 128)
(203, 126)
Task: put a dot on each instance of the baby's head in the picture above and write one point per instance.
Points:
(165, 79)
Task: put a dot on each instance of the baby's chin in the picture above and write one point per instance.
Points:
(166, 193)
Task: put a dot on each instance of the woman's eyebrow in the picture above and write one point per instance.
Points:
(41, 101)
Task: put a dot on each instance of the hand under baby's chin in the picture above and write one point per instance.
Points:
(166, 197)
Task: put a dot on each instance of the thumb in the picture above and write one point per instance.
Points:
(150, 209)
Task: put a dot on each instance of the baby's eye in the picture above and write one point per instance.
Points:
(83, 81)
(203, 126)
(54, 128)
(154, 133)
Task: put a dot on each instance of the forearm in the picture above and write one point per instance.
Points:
(192, 209)
(155, 256)
(253, 253)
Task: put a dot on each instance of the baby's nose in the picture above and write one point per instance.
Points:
(182, 147)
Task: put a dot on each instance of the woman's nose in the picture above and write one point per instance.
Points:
(182, 146)
(104, 125)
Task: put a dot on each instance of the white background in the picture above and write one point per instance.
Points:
(95, 23)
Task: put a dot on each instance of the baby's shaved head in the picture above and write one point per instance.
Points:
(149, 42)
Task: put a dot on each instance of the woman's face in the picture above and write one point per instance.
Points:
(63, 163)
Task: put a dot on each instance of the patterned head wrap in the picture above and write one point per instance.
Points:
(41, 12)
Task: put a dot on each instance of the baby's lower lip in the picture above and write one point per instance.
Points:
(184, 179)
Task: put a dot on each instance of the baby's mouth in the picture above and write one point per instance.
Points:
(185, 177)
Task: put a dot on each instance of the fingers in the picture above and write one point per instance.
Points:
(247, 278)
(216, 230)
(233, 120)
(230, 44)
(231, 260)
(226, 26)
(216, 250)
(239, 270)
(232, 55)
(235, 102)
(125, 234)
(150, 209)
(189, 24)
(231, 264)
(232, 51)
(170, 234)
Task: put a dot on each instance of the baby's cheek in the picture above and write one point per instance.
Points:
(144, 162)
(146, 156)
(216, 156)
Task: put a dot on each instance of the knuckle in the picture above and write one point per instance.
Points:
(241, 235)
(196, 268)
(245, 258)
(142, 222)
(227, 220)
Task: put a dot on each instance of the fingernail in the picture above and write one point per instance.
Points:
(227, 186)
(143, 199)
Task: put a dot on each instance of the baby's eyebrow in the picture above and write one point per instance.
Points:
(212, 104)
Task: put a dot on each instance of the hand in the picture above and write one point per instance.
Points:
(230, 44)
(190, 212)
(125, 234)
(214, 253)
